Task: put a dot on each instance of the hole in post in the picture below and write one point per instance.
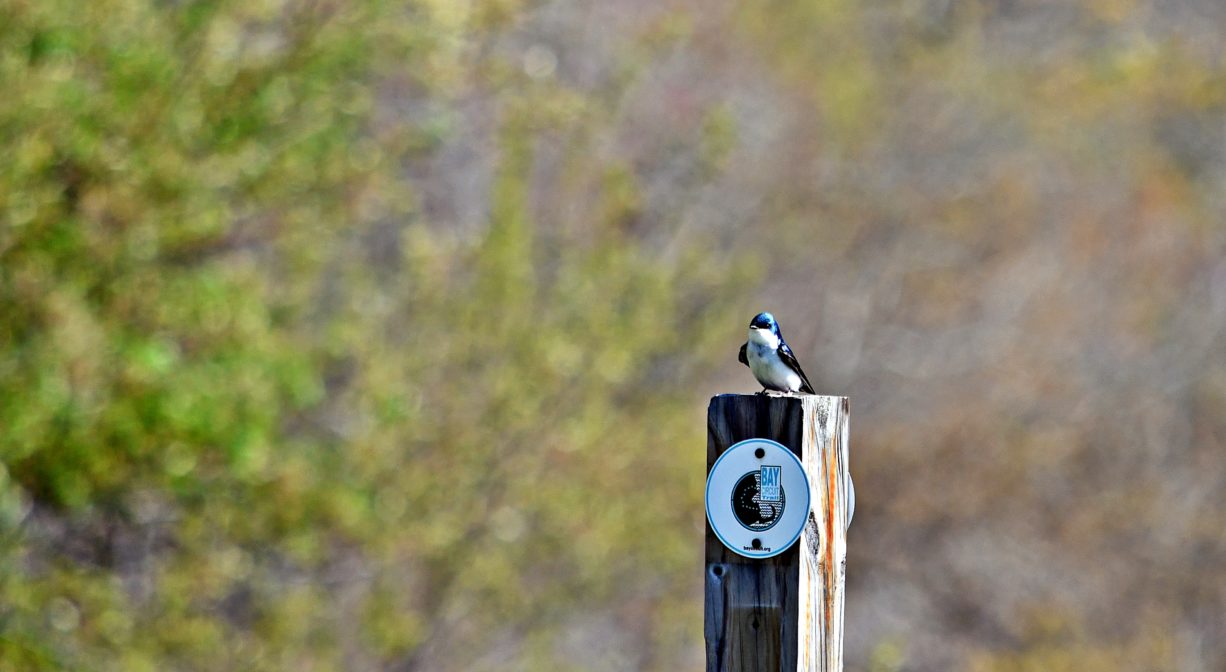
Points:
(759, 453)
(756, 543)
(754, 623)
(717, 570)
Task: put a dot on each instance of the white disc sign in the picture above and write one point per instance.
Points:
(757, 498)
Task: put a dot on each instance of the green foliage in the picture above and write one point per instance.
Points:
(366, 335)
(257, 411)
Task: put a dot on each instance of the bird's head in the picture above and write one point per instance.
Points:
(764, 322)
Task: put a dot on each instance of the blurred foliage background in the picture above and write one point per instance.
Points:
(378, 335)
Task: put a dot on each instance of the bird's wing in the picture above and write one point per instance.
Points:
(742, 358)
(785, 353)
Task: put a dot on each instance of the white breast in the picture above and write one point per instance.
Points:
(763, 356)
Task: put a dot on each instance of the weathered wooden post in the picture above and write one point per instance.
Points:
(785, 612)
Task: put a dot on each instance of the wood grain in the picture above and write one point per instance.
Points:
(783, 613)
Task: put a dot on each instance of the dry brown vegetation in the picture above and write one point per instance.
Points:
(377, 337)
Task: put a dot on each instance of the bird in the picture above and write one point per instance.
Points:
(770, 359)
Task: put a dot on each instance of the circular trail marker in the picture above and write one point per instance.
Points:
(757, 498)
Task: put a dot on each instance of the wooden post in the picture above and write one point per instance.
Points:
(783, 613)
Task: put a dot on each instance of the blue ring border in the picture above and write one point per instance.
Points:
(808, 498)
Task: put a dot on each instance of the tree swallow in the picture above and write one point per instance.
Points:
(770, 358)
(774, 365)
